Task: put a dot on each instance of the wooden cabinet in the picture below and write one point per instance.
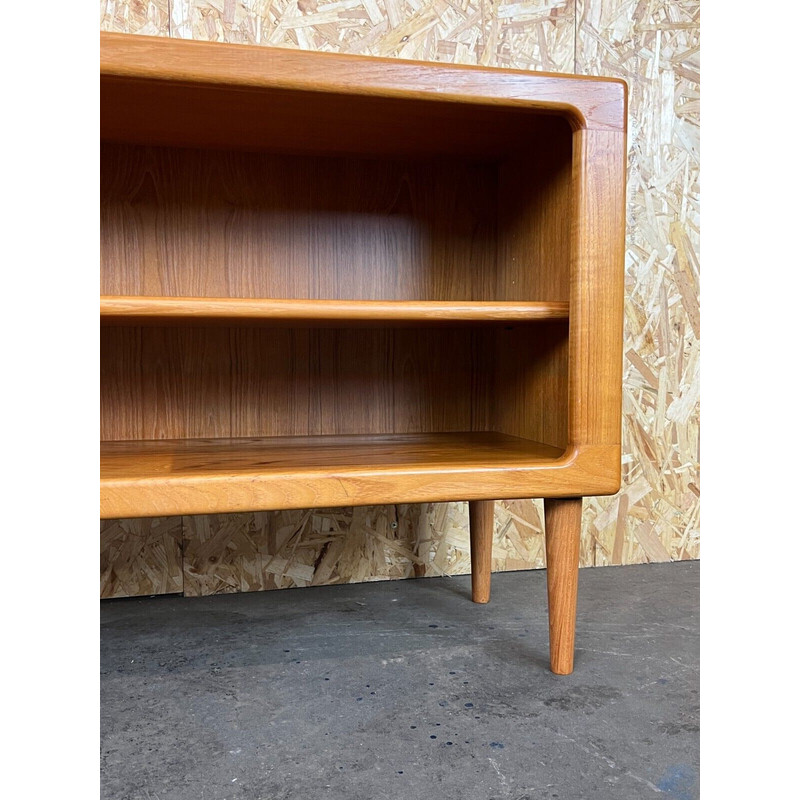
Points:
(332, 280)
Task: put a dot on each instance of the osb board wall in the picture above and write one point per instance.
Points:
(654, 46)
(141, 556)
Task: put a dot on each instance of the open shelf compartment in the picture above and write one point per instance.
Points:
(331, 280)
(267, 406)
(183, 476)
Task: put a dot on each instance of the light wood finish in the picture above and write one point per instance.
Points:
(481, 532)
(203, 94)
(596, 292)
(192, 476)
(216, 224)
(562, 530)
(225, 223)
(137, 480)
(191, 381)
(182, 458)
(284, 235)
(295, 313)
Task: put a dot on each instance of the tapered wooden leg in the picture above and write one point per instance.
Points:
(481, 528)
(562, 531)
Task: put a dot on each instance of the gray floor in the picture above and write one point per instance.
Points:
(404, 690)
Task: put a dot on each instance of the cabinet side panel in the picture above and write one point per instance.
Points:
(535, 209)
(534, 216)
(530, 380)
(596, 296)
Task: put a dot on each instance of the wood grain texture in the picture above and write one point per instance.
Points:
(596, 295)
(211, 224)
(131, 310)
(180, 382)
(562, 529)
(186, 223)
(194, 476)
(140, 460)
(481, 533)
(529, 396)
(537, 229)
(302, 487)
(178, 68)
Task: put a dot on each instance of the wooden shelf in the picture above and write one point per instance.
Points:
(196, 476)
(127, 310)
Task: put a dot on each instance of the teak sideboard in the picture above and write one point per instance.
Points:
(334, 280)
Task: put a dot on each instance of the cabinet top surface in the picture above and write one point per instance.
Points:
(587, 102)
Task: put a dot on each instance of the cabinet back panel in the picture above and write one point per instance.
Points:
(160, 383)
(232, 224)
(218, 223)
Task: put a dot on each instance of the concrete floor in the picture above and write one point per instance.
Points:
(406, 690)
